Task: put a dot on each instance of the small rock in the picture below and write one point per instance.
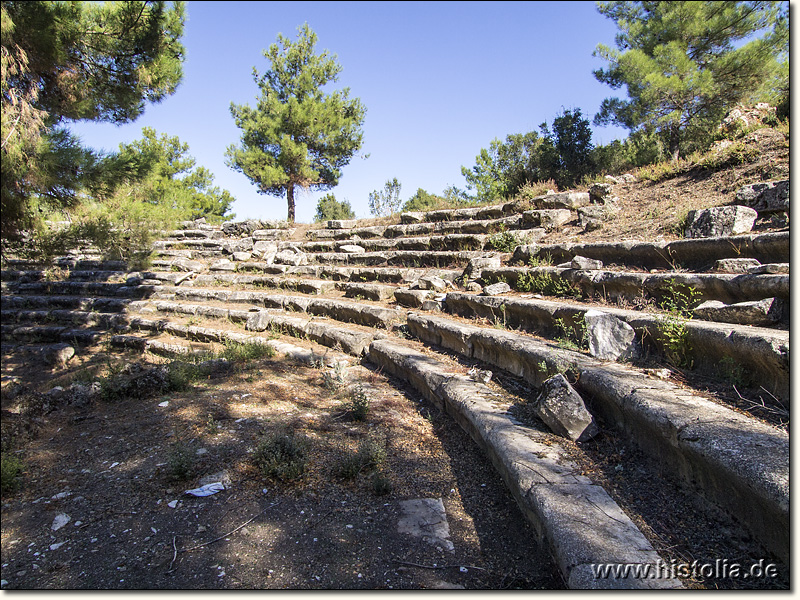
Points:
(588, 264)
(60, 520)
(172, 504)
(57, 545)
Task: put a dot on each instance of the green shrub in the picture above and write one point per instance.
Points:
(370, 454)
(357, 405)
(505, 241)
(331, 209)
(180, 461)
(282, 455)
(381, 484)
(10, 470)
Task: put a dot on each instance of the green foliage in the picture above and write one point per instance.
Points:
(10, 470)
(282, 455)
(572, 335)
(385, 202)
(331, 209)
(684, 65)
(370, 454)
(180, 461)
(503, 169)
(422, 201)
(546, 283)
(173, 179)
(679, 299)
(505, 241)
(732, 371)
(245, 351)
(297, 136)
(357, 405)
(568, 157)
(69, 61)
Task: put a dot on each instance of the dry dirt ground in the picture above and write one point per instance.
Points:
(109, 466)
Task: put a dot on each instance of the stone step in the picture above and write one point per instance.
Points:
(73, 288)
(698, 254)
(351, 339)
(580, 521)
(398, 258)
(765, 352)
(51, 334)
(739, 462)
(116, 321)
(612, 285)
(69, 263)
(64, 302)
(369, 315)
(328, 357)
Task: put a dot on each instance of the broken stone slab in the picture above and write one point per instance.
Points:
(563, 410)
(759, 313)
(223, 265)
(342, 224)
(408, 218)
(368, 291)
(429, 282)
(411, 298)
(735, 265)
(767, 197)
(549, 218)
(291, 256)
(352, 249)
(496, 289)
(770, 269)
(242, 256)
(720, 221)
(477, 265)
(426, 519)
(609, 337)
(587, 264)
(601, 193)
(562, 200)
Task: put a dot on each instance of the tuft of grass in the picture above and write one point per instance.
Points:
(572, 336)
(369, 455)
(282, 455)
(11, 469)
(242, 352)
(381, 484)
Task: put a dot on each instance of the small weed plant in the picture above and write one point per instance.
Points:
(573, 335)
(10, 473)
(180, 461)
(505, 241)
(369, 455)
(282, 455)
(673, 333)
(357, 405)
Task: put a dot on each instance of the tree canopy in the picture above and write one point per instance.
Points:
(385, 202)
(297, 135)
(69, 61)
(329, 209)
(684, 65)
(173, 177)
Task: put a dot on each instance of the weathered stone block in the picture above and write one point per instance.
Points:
(720, 221)
(563, 410)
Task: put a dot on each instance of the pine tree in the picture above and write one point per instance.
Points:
(297, 135)
(685, 64)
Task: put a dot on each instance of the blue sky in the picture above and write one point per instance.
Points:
(439, 80)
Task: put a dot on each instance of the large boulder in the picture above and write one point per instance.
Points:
(563, 410)
(767, 197)
(720, 221)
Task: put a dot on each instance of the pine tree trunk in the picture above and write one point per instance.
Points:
(290, 202)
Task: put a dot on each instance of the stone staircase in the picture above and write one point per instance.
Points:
(453, 302)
